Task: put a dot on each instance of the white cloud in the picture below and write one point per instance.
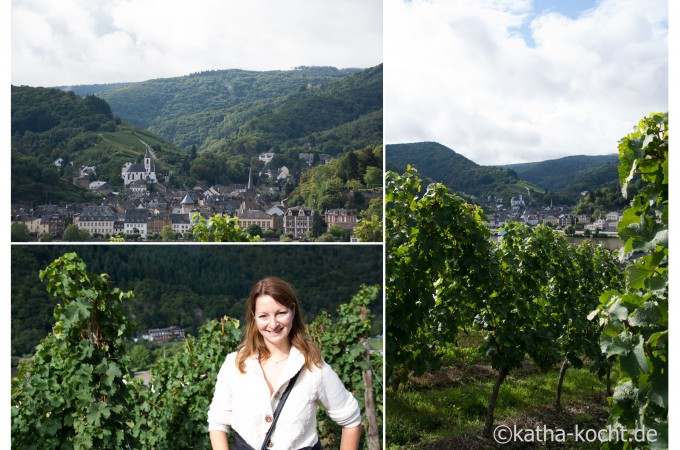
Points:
(459, 72)
(80, 41)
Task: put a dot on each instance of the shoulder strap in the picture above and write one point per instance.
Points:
(277, 411)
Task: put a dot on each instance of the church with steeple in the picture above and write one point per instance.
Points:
(145, 172)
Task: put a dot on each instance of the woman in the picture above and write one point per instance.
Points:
(253, 378)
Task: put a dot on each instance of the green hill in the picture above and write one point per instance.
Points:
(570, 172)
(247, 112)
(560, 181)
(458, 173)
(47, 124)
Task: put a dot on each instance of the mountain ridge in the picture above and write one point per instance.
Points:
(460, 174)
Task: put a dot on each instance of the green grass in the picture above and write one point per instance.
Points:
(452, 403)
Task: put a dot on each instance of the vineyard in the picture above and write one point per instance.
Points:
(77, 391)
(465, 313)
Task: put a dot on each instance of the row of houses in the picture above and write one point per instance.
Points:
(608, 223)
(102, 219)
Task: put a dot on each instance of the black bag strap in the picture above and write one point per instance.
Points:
(277, 411)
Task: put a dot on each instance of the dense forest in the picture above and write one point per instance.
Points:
(560, 180)
(150, 103)
(187, 285)
(239, 111)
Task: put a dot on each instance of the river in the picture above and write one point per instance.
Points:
(610, 243)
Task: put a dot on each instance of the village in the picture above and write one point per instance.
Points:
(148, 207)
(554, 216)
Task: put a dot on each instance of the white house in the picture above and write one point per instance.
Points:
(137, 221)
(97, 219)
(266, 157)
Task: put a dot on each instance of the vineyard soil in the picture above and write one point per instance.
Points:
(446, 409)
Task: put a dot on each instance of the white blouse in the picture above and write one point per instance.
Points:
(242, 402)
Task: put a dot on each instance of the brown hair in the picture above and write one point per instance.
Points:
(253, 342)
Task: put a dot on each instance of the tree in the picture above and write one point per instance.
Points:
(255, 230)
(220, 228)
(19, 232)
(168, 234)
(339, 233)
(373, 178)
(140, 357)
(72, 233)
(318, 224)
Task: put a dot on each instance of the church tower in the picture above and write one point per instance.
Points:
(147, 160)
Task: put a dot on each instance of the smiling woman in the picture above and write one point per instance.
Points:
(274, 360)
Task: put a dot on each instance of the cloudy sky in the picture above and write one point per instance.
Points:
(83, 41)
(507, 81)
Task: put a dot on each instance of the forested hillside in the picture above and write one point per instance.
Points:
(188, 285)
(246, 111)
(150, 103)
(458, 173)
(569, 172)
(560, 180)
(221, 121)
(48, 124)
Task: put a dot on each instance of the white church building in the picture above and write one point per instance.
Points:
(145, 172)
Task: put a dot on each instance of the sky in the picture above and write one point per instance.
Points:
(73, 42)
(511, 81)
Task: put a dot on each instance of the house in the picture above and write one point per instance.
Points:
(298, 221)
(187, 205)
(97, 219)
(284, 173)
(551, 220)
(181, 223)
(583, 218)
(256, 217)
(565, 219)
(101, 187)
(137, 221)
(54, 223)
(88, 171)
(341, 217)
(145, 172)
(532, 219)
(601, 224)
(158, 220)
(277, 212)
(166, 334)
(137, 186)
(613, 217)
(266, 157)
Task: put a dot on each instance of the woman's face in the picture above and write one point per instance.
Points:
(273, 320)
